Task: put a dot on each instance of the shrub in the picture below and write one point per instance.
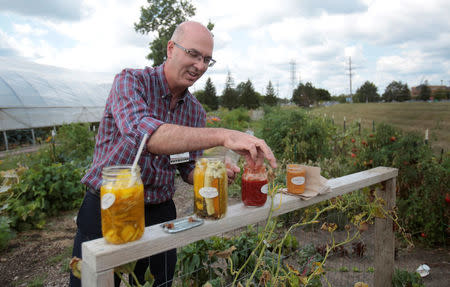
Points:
(74, 142)
(6, 234)
(404, 278)
(237, 119)
(43, 191)
(422, 181)
(295, 136)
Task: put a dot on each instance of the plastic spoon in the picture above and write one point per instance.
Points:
(138, 155)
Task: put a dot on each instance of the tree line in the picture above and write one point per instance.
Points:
(305, 95)
(396, 91)
(232, 97)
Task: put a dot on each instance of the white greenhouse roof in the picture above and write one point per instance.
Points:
(34, 95)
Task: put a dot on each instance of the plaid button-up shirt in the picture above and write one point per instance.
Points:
(138, 103)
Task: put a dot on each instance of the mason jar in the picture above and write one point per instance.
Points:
(254, 186)
(295, 178)
(122, 204)
(210, 188)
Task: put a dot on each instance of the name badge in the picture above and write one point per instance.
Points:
(179, 158)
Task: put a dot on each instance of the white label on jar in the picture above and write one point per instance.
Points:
(265, 188)
(108, 200)
(298, 180)
(208, 192)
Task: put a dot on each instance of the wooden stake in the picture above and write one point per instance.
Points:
(384, 239)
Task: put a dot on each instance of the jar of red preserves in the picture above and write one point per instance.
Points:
(254, 186)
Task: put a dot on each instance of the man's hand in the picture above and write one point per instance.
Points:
(253, 149)
(232, 170)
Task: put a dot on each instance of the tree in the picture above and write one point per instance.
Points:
(396, 91)
(270, 98)
(368, 92)
(162, 17)
(304, 95)
(200, 95)
(441, 94)
(248, 98)
(210, 97)
(229, 97)
(322, 95)
(424, 92)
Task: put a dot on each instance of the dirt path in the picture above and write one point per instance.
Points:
(41, 256)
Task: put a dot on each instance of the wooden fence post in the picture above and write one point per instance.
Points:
(385, 240)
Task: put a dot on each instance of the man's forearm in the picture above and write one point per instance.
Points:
(172, 139)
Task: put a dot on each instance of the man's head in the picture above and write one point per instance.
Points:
(189, 52)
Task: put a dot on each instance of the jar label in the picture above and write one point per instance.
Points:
(265, 188)
(208, 192)
(108, 200)
(298, 180)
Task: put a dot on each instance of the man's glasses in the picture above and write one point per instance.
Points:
(196, 55)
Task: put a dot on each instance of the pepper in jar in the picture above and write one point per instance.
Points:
(122, 205)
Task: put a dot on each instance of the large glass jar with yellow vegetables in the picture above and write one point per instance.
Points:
(122, 204)
(210, 188)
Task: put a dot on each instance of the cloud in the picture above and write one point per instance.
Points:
(256, 40)
(7, 48)
(27, 29)
(69, 10)
(311, 8)
(105, 41)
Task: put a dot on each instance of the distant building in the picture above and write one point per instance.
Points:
(415, 91)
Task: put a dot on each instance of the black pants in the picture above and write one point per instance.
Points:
(162, 265)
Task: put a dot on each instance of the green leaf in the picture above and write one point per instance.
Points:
(148, 276)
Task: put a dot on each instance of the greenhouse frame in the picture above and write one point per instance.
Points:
(36, 96)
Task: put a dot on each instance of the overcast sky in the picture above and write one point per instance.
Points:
(308, 40)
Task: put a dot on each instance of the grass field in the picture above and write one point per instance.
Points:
(417, 116)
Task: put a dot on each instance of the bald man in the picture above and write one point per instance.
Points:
(156, 101)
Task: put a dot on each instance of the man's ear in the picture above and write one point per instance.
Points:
(170, 47)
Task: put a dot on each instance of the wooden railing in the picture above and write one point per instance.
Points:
(100, 258)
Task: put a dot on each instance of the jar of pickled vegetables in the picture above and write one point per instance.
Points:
(122, 204)
(210, 188)
(295, 178)
(254, 186)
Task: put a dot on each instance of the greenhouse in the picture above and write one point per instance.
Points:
(36, 96)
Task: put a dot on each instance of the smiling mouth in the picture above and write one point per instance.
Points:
(193, 75)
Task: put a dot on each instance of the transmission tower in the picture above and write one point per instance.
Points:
(350, 74)
(293, 69)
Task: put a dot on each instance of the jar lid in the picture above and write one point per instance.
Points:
(295, 166)
(115, 170)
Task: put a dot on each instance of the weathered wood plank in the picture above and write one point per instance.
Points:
(101, 256)
(385, 240)
(92, 279)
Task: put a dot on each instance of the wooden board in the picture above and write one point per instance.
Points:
(99, 256)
